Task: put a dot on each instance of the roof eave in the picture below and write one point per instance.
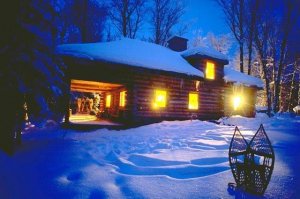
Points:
(247, 85)
(84, 60)
(223, 61)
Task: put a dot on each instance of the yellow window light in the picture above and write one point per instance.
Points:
(193, 101)
(210, 70)
(122, 99)
(160, 98)
(237, 102)
(108, 101)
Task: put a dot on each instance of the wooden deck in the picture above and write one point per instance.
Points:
(86, 119)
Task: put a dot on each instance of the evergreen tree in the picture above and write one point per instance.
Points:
(28, 69)
(82, 21)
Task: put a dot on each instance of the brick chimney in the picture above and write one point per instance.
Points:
(177, 43)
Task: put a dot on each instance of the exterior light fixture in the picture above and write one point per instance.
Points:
(237, 102)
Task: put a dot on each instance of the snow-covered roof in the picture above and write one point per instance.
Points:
(234, 76)
(176, 36)
(204, 51)
(131, 52)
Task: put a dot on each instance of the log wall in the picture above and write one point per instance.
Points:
(140, 84)
(178, 89)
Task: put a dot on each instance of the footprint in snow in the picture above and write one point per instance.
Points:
(75, 176)
(209, 161)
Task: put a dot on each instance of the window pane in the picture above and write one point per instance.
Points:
(210, 70)
(122, 98)
(108, 101)
(193, 101)
(160, 98)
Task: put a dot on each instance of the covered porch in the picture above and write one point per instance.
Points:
(96, 103)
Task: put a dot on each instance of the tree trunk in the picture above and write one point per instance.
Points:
(242, 57)
(84, 21)
(10, 118)
(241, 30)
(286, 28)
(67, 97)
(290, 103)
(299, 92)
(251, 34)
(20, 120)
(249, 57)
(124, 20)
(267, 87)
(277, 89)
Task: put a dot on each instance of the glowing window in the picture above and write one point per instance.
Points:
(160, 98)
(193, 101)
(108, 101)
(122, 98)
(210, 70)
(237, 102)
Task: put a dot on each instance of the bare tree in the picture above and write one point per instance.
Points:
(127, 16)
(271, 42)
(221, 43)
(285, 26)
(234, 11)
(299, 92)
(250, 21)
(295, 73)
(198, 39)
(82, 21)
(165, 14)
(184, 27)
(268, 27)
(263, 29)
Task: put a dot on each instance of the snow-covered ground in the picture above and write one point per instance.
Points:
(178, 159)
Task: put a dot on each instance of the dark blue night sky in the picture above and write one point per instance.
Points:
(208, 17)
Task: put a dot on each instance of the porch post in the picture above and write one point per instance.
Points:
(67, 98)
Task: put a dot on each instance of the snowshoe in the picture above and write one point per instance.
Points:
(252, 164)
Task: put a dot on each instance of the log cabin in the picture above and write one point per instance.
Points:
(141, 82)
